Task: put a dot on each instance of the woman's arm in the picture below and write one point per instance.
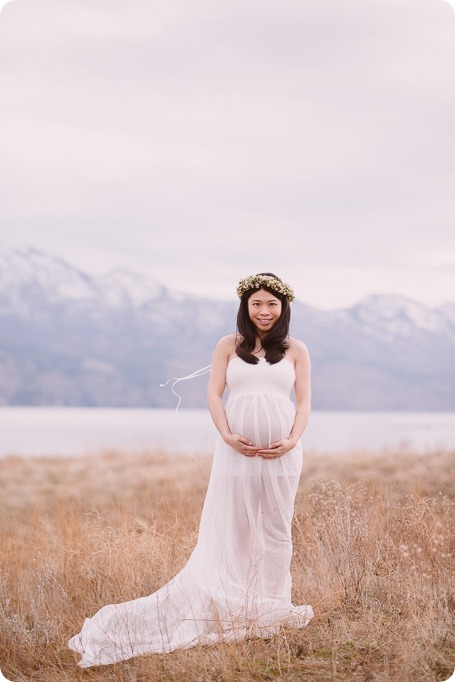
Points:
(216, 386)
(302, 392)
(302, 388)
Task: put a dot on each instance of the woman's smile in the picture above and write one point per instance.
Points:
(264, 309)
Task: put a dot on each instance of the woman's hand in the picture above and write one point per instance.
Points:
(277, 449)
(241, 444)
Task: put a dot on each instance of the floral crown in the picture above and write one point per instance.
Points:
(257, 281)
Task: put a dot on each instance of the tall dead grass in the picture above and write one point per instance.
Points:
(373, 554)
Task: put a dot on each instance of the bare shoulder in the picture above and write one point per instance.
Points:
(297, 351)
(226, 345)
(227, 341)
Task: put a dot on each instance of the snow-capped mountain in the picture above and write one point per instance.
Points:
(29, 276)
(67, 338)
(399, 316)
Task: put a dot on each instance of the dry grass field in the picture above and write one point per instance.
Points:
(373, 554)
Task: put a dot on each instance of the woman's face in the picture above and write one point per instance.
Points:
(264, 310)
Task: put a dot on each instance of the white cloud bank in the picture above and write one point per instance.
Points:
(201, 142)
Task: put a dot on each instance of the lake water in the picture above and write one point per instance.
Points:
(59, 431)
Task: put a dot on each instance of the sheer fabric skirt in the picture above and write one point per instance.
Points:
(237, 581)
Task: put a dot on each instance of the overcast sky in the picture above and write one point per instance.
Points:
(203, 141)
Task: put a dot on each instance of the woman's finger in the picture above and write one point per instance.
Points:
(242, 439)
(270, 451)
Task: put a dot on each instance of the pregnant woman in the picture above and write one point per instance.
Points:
(237, 581)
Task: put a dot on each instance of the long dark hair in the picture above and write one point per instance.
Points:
(274, 343)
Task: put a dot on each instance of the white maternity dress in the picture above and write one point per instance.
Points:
(237, 581)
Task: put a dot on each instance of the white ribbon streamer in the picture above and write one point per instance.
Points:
(193, 375)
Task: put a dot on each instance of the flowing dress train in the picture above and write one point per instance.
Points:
(237, 581)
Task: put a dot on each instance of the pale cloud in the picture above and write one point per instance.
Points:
(202, 139)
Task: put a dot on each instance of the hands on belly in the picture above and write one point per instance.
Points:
(242, 445)
(277, 449)
(246, 447)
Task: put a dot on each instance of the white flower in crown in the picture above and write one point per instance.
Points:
(256, 281)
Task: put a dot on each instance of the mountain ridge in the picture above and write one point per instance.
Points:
(69, 338)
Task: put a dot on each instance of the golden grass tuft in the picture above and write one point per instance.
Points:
(373, 554)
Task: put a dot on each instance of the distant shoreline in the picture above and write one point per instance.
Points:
(63, 431)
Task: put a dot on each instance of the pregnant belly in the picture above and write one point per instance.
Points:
(263, 419)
